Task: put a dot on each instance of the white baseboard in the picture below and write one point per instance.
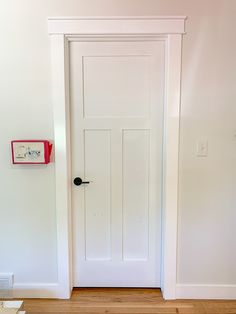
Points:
(183, 291)
(187, 291)
(38, 290)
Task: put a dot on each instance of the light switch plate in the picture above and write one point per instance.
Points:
(202, 148)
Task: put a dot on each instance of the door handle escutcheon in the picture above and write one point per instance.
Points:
(79, 181)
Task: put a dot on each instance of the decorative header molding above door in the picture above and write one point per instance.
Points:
(117, 25)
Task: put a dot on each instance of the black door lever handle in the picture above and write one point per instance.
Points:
(79, 181)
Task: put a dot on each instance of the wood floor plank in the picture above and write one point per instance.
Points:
(125, 301)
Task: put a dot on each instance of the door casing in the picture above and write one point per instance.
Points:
(64, 30)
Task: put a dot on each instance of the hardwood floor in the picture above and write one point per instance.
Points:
(125, 301)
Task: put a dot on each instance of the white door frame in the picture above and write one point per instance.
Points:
(62, 30)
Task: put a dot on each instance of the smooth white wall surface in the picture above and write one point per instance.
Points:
(207, 201)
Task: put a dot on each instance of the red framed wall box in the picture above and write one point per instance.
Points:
(31, 151)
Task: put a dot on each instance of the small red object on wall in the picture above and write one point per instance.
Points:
(31, 151)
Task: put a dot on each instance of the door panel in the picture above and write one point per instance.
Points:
(135, 194)
(98, 195)
(111, 84)
(116, 93)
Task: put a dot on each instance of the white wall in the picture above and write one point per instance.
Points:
(207, 203)
(207, 250)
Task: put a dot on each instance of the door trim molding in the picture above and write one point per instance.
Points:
(62, 30)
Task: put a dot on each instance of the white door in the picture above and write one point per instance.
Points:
(116, 96)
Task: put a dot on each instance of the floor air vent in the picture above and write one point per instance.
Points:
(6, 286)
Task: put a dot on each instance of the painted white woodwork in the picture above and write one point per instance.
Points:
(136, 171)
(117, 25)
(62, 31)
(34, 290)
(105, 96)
(200, 291)
(97, 195)
(60, 94)
(171, 165)
(117, 226)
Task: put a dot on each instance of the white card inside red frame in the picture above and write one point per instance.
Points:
(31, 151)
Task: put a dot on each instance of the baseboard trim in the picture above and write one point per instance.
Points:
(187, 291)
(183, 291)
(37, 290)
